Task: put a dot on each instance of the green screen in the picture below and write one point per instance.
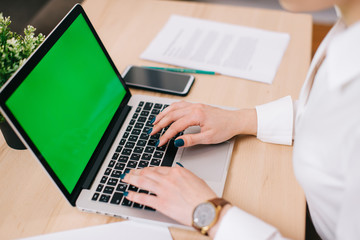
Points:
(67, 101)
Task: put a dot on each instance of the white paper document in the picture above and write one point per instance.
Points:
(227, 49)
(112, 231)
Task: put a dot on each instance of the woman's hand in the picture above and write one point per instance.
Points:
(178, 191)
(216, 124)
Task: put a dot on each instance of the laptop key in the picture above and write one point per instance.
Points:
(122, 141)
(126, 134)
(116, 174)
(131, 164)
(149, 208)
(126, 203)
(118, 149)
(132, 188)
(103, 179)
(151, 117)
(143, 191)
(169, 155)
(116, 199)
(155, 162)
(142, 120)
(143, 164)
(141, 104)
(136, 132)
(108, 190)
(141, 143)
(138, 149)
(149, 149)
(146, 156)
(138, 109)
(119, 166)
(162, 148)
(133, 138)
(158, 106)
(148, 106)
(99, 188)
(152, 142)
(115, 156)
(135, 115)
(144, 136)
(139, 125)
(139, 206)
(158, 154)
(123, 158)
(135, 156)
(144, 113)
(146, 129)
(111, 164)
(126, 151)
(104, 198)
(121, 187)
(95, 196)
(107, 171)
(129, 144)
(155, 111)
(112, 181)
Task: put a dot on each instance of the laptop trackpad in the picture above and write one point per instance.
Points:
(206, 161)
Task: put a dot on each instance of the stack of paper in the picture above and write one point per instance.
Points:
(227, 49)
(112, 231)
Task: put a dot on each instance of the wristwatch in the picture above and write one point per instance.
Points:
(206, 214)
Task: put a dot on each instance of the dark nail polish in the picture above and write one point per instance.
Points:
(125, 194)
(157, 143)
(152, 120)
(127, 170)
(150, 130)
(179, 142)
(179, 164)
(122, 175)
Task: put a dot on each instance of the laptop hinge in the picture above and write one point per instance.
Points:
(108, 143)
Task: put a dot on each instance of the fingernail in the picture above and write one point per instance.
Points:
(150, 130)
(126, 193)
(179, 142)
(179, 164)
(122, 175)
(152, 120)
(127, 170)
(157, 143)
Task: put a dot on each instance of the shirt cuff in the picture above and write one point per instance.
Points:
(238, 224)
(275, 121)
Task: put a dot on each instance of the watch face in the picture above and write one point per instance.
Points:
(204, 215)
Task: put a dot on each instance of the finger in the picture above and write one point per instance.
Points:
(143, 199)
(169, 119)
(188, 140)
(173, 106)
(178, 126)
(142, 182)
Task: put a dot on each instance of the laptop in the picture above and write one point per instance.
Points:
(71, 108)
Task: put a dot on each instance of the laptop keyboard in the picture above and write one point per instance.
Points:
(136, 149)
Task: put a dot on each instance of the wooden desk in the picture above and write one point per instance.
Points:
(261, 179)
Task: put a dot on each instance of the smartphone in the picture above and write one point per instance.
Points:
(158, 80)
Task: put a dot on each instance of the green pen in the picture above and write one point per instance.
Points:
(183, 70)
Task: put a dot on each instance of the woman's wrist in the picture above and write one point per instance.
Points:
(212, 232)
(246, 121)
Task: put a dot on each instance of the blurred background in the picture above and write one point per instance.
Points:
(45, 14)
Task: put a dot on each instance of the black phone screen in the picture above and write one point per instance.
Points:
(158, 80)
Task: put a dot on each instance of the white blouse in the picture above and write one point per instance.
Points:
(325, 126)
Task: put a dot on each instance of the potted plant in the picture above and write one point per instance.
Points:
(14, 49)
